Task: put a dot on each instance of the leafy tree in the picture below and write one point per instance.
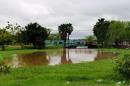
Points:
(101, 30)
(14, 29)
(5, 38)
(55, 36)
(35, 34)
(22, 38)
(118, 30)
(111, 32)
(90, 38)
(65, 31)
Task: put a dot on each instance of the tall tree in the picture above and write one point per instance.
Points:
(118, 31)
(14, 28)
(101, 30)
(5, 38)
(65, 31)
(35, 34)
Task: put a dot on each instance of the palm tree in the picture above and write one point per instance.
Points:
(65, 31)
(100, 31)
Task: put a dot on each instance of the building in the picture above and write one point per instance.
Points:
(72, 42)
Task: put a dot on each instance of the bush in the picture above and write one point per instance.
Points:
(123, 66)
(4, 68)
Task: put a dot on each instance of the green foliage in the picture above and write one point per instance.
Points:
(89, 73)
(5, 38)
(1, 58)
(4, 68)
(101, 30)
(123, 65)
(55, 36)
(14, 28)
(65, 75)
(117, 31)
(35, 34)
(111, 32)
(90, 38)
(65, 30)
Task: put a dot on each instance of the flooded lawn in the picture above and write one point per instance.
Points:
(55, 57)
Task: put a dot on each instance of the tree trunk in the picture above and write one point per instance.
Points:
(3, 47)
(65, 43)
(34, 45)
(68, 38)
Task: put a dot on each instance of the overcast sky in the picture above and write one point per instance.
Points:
(83, 14)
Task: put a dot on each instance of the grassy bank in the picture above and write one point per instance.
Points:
(99, 73)
(10, 50)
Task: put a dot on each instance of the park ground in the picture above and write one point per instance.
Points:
(98, 73)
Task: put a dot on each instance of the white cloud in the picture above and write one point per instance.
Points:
(50, 13)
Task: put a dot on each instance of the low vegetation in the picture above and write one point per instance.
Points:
(98, 73)
(123, 66)
(4, 69)
(107, 72)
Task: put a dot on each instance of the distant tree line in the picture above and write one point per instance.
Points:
(110, 33)
(107, 33)
(32, 34)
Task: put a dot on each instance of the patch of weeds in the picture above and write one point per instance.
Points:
(76, 78)
(123, 66)
(4, 68)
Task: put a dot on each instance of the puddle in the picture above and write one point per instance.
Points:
(55, 57)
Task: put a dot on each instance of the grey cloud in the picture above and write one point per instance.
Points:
(50, 13)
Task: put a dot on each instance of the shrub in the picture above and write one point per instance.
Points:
(4, 68)
(123, 65)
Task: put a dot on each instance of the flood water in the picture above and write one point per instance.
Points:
(56, 57)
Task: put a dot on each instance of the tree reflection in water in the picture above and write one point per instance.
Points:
(33, 59)
(65, 59)
(104, 55)
(55, 57)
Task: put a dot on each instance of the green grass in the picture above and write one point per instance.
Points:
(10, 50)
(98, 73)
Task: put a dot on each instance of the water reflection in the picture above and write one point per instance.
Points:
(65, 59)
(65, 56)
(105, 55)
